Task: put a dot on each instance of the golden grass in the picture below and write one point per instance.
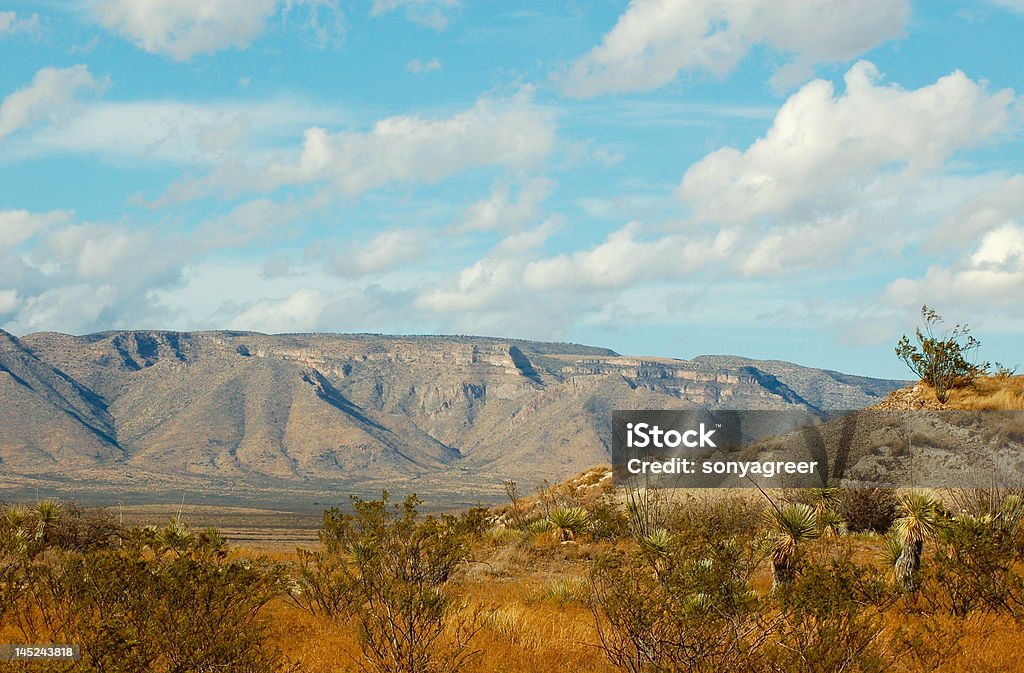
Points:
(1004, 393)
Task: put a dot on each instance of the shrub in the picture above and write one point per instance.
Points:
(831, 620)
(973, 568)
(940, 359)
(686, 609)
(394, 569)
(146, 607)
(868, 509)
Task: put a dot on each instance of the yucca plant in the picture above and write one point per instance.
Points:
(47, 514)
(569, 521)
(791, 526)
(890, 553)
(175, 537)
(920, 518)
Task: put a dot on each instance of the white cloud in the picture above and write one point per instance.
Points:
(418, 67)
(624, 259)
(184, 28)
(18, 226)
(784, 249)
(11, 23)
(389, 250)
(50, 90)
(991, 275)
(173, 131)
(823, 151)
(84, 276)
(979, 214)
(503, 211)
(510, 132)
(299, 312)
(429, 13)
(9, 301)
(654, 40)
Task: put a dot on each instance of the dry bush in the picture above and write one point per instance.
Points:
(167, 601)
(868, 509)
(832, 620)
(391, 571)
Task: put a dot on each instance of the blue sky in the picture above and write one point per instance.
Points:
(783, 179)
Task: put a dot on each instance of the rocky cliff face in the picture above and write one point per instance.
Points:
(322, 408)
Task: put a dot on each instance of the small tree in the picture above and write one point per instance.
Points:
(940, 359)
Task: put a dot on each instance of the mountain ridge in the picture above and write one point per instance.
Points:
(339, 409)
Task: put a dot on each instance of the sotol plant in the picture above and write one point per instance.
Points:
(570, 521)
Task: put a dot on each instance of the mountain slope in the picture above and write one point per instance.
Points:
(47, 418)
(335, 408)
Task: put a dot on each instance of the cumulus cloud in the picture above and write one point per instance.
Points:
(299, 312)
(389, 250)
(79, 276)
(980, 214)
(505, 211)
(625, 258)
(9, 301)
(512, 132)
(430, 13)
(654, 40)
(184, 28)
(991, 275)
(418, 67)
(50, 90)
(18, 226)
(823, 150)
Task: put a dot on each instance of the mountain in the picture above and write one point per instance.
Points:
(324, 411)
(47, 419)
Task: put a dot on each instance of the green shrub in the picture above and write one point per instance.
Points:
(940, 359)
(394, 570)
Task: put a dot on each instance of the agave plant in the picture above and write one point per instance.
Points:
(569, 521)
(921, 518)
(791, 525)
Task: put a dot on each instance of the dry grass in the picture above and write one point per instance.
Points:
(535, 622)
(534, 618)
(1004, 393)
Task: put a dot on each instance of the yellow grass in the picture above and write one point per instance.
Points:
(1004, 393)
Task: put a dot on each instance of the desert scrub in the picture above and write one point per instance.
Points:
(561, 591)
(163, 600)
(687, 607)
(868, 509)
(391, 572)
(940, 359)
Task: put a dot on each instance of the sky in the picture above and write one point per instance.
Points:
(777, 179)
